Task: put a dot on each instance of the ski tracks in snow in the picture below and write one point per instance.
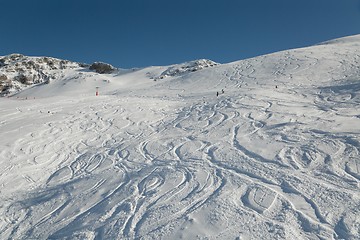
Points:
(155, 169)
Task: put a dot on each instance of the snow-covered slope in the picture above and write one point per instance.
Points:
(274, 156)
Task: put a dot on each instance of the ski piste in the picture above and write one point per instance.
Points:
(157, 155)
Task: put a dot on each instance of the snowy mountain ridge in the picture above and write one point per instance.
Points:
(18, 72)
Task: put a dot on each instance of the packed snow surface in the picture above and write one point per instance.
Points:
(274, 156)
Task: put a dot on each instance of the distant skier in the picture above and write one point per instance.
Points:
(217, 94)
(222, 90)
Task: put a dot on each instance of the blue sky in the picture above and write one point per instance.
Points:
(138, 33)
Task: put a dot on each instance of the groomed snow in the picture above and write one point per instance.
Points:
(276, 156)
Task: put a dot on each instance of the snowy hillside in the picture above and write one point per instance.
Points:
(274, 156)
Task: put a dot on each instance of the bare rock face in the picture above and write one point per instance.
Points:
(103, 68)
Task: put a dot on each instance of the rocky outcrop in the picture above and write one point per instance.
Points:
(188, 67)
(18, 71)
(3, 77)
(103, 68)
